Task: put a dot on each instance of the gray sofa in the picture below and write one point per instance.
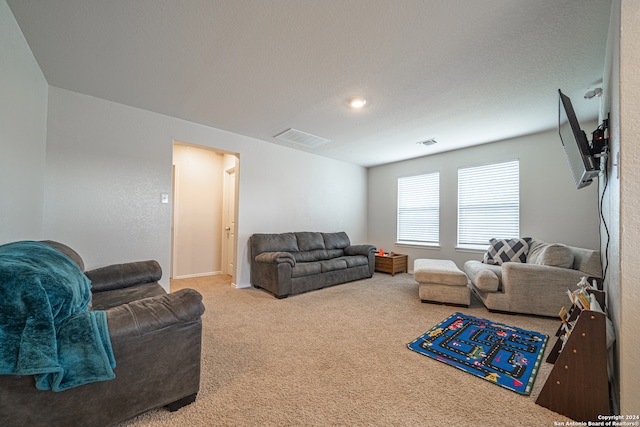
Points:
(156, 341)
(537, 286)
(292, 263)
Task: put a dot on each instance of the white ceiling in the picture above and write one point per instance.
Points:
(462, 71)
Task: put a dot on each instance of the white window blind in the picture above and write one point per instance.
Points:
(488, 203)
(419, 209)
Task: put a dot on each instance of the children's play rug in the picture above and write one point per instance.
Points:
(505, 355)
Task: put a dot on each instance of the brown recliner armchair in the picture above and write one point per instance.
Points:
(156, 341)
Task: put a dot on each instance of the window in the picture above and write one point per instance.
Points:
(488, 203)
(419, 209)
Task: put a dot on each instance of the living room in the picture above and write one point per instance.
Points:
(90, 172)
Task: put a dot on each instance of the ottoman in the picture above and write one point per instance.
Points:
(442, 282)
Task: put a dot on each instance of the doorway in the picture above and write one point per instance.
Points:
(229, 222)
(204, 213)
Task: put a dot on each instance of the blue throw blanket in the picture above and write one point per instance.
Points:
(46, 328)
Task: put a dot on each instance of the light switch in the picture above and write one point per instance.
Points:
(164, 198)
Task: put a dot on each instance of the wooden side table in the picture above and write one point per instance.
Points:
(396, 263)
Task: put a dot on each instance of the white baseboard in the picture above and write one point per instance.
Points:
(237, 286)
(189, 276)
(213, 273)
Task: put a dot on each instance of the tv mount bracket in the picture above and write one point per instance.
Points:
(600, 140)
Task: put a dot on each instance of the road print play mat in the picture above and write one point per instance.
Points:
(505, 355)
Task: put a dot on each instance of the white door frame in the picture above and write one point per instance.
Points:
(229, 223)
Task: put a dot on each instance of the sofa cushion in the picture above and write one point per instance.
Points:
(355, 260)
(333, 264)
(439, 271)
(506, 250)
(306, 269)
(284, 242)
(309, 241)
(338, 240)
(334, 253)
(552, 254)
(309, 256)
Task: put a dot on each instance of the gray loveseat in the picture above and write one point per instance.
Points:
(292, 263)
(537, 286)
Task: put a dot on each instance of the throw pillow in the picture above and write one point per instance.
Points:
(507, 250)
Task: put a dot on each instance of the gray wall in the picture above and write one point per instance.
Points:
(551, 208)
(107, 165)
(23, 120)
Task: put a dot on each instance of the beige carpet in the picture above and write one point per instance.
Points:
(338, 357)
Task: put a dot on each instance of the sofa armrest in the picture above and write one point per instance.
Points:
(359, 250)
(119, 276)
(151, 314)
(276, 258)
(482, 276)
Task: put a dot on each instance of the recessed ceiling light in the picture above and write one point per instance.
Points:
(357, 102)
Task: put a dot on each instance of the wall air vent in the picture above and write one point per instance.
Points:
(428, 142)
(301, 138)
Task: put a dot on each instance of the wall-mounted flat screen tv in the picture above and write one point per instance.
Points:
(582, 163)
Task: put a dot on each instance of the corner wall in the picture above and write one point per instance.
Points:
(23, 119)
(610, 244)
(622, 201)
(629, 232)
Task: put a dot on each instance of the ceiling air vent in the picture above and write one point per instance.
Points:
(428, 142)
(301, 138)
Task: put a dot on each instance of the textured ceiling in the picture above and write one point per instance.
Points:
(462, 72)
